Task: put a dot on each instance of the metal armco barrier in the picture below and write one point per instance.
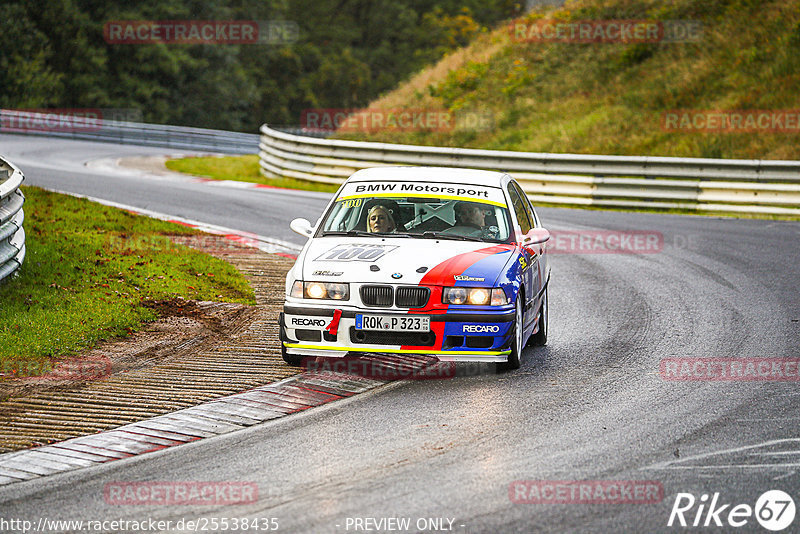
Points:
(134, 133)
(12, 236)
(743, 186)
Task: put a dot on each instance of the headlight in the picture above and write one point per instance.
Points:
(455, 295)
(477, 296)
(321, 290)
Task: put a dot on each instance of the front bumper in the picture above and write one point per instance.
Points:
(455, 335)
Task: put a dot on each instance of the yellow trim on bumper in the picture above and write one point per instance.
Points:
(399, 351)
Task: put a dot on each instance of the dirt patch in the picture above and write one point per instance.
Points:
(154, 165)
(184, 326)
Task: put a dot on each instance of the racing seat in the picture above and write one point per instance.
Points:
(397, 213)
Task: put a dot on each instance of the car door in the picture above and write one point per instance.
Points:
(539, 260)
(527, 255)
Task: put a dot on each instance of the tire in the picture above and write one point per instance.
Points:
(540, 337)
(514, 359)
(292, 359)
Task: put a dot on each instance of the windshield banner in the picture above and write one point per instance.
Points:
(444, 191)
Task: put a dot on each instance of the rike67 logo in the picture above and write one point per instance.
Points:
(774, 510)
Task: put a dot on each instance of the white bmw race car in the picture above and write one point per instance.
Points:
(420, 260)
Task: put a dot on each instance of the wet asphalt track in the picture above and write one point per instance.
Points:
(589, 406)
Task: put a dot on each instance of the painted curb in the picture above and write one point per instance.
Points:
(213, 418)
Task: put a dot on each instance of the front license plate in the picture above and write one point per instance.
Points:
(393, 323)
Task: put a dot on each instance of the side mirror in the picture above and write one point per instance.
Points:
(536, 236)
(302, 227)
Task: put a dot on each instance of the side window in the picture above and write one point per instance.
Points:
(527, 203)
(519, 208)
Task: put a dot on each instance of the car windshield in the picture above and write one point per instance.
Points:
(419, 217)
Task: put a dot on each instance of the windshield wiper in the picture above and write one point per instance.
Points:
(360, 233)
(439, 235)
(349, 232)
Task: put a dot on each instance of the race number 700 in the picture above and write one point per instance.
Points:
(356, 252)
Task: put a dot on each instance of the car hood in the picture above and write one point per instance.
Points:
(404, 261)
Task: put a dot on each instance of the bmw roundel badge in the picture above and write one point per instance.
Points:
(397, 276)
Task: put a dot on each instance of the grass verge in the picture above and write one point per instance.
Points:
(242, 169)
(613, 98)
(89, 271)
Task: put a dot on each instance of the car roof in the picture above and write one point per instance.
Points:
(429, 174)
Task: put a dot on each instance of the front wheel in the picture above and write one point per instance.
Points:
(540, 337)
(516, 344)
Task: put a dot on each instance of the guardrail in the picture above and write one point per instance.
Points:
(12, 235)
(136, 133)
(743, 186)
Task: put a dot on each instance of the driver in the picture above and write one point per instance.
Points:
(470, 214)
(470, 219)
(380, 220)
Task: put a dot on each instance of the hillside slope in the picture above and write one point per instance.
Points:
(611, 97)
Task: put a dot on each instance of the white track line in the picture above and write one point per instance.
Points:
(263, 243)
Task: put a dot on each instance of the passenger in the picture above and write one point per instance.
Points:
(380, 220)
